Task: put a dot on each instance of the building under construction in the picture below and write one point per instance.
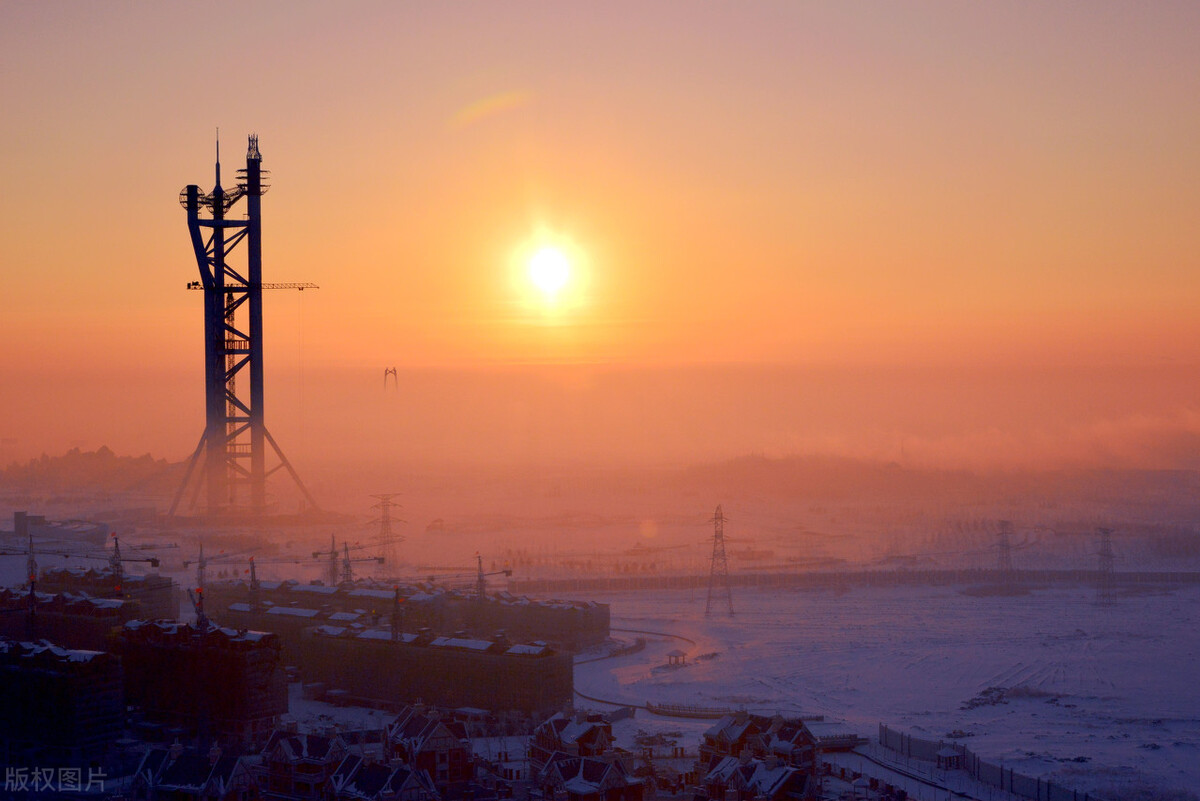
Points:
(58, 706)
(280, 605)
(393, 667)
(158, 595)
(215, 684)
(73, 621)
(348, 651)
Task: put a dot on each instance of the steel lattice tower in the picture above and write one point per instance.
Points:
(1107, 560)
(387, 539)
(233, 445)
(1004, 563)
(718, 572)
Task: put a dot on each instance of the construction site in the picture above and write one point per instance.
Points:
(203, 682)
(495, 621)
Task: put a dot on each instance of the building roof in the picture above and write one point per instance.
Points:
(316, 589)
(191, 771)
(356, 778)
(292, 611)
(175, 632)
(732, 728)
(44, 651)
(585, 775)
(568, 732)
(825, 730)
(462, 642)
(386, 595)
(294, 747)
(763, 779)
(414, 727)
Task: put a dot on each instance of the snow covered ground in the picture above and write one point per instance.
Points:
(1094, 697)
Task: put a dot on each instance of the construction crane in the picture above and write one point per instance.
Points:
(245, 556)
(479, 576)
(299, 285)
(202, 563)
(197, 600)
(116, 562)
(255, 604)
(347, 562)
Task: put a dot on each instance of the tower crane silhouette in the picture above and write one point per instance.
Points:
(347, 562)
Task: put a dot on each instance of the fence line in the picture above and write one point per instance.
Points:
(985, 772)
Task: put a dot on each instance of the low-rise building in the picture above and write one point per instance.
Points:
(297, 767)
(583, 734)
(734, 735)
(357, 779)
(790, 740)
(425, 741)
(576, 778)
(766, 779)
(177, 775)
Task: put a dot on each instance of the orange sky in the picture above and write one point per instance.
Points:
(932, 186)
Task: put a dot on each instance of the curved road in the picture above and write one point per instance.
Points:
(613, 656)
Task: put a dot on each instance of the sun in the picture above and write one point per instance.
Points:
(549, 270)
(550, 276)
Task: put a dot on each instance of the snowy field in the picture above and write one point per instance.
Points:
(1094, 697)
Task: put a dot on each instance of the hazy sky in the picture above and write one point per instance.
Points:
(935, 187)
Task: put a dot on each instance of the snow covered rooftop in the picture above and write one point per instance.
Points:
(462, 642)
(291, 611)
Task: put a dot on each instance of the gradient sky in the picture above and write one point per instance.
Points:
(848, 187)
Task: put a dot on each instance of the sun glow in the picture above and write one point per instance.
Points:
(551, 277)
(549, 270)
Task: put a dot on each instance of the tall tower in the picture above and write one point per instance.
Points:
(233, 445)
(1004, 563)
(387, 539)
(718, 572)
(1107, 560)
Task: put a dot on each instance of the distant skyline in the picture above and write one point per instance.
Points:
(955, 192)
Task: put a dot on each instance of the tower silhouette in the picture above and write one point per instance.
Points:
(1107, 559)
(1004, 563)
(387, 539)
(718, 571)
(234, 444)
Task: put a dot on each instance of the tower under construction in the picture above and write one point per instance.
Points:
(233, 447)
